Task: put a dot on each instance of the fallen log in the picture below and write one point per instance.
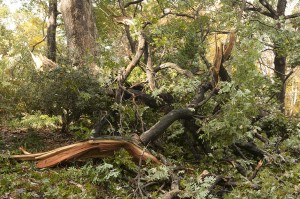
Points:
(86, 149)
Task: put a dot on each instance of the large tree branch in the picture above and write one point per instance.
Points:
(150, 100)
(149, 68)
(268, 7)
(130, 40)
(126, 21)
(251, 148)
(199, 100)
(178, 15)
(175, 67)
(259, 10)
(292, 16)
(139, 52)
(157, 129)
(253, 8)
(200, 94)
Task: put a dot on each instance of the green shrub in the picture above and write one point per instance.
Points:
(65, 91)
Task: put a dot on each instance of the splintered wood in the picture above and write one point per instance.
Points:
(87, 149)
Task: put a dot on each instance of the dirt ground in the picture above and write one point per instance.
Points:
(33, 140)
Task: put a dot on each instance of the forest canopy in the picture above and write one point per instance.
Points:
(210, 88)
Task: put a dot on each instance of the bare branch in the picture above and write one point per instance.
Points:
(139, 52)
(268, 7)
(148, 99)
(220, 32)
(205, 60)
(292, 16)
(178, 14)
(200, 96)
(38, 43)
(175, 67)
(157, 129)
(254, 174)
(132, 2)
(130, 39)
(272, 14)
(259, 10)
(288, 75)
(149, 68)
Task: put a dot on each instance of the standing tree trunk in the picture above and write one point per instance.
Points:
(51, 30)
(280, 69)
(277, 14)
(280, 60)
(80, 30)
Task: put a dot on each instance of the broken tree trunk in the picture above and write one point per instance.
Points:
(86, 149)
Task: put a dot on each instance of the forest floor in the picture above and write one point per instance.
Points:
(21, 179)
(119, 177)
(32, 139)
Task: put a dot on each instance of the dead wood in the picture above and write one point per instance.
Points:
(171, 194)
(251, 148)
(86, 149)
(257, 168)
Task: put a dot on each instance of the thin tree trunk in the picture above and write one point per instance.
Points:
(280, 59)
(51, 30)
(280, 69)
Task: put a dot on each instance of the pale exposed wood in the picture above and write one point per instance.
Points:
(86, 149)
(229, 47)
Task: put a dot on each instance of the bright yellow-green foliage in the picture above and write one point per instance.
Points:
(293, 94)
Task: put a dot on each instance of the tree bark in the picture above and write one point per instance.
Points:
(80, 29)
(280, 59)
(157, 129)
(51, 30)
(280, 69)
(149, 67)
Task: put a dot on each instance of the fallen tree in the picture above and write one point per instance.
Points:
(86, 149)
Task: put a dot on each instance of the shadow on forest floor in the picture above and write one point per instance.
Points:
(34, 140)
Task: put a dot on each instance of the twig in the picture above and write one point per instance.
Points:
(260, 163)
(139, 173)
